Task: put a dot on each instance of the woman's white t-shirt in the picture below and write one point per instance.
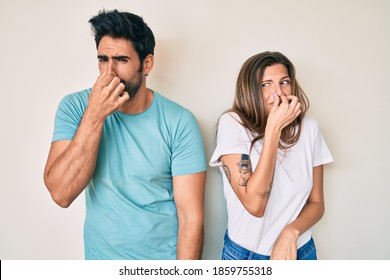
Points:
(292, 183)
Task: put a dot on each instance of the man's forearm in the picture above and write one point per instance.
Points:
(72, 166)
(190, 241)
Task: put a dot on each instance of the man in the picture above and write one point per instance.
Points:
(138, 156)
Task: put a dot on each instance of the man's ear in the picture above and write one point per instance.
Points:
(148, 64)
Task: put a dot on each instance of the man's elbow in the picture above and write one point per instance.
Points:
(60, 201)
(58, 197)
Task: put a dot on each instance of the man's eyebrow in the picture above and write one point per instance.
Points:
(114, 57)
(121, 57)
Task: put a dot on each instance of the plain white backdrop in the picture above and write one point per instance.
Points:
(341, 51)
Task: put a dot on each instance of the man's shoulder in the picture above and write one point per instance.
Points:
(170, 107)
(77, 99)
(165, 101)
(79, 95)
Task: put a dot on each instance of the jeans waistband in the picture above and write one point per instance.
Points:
(232, 250)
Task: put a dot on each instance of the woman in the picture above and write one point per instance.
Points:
(271, 158)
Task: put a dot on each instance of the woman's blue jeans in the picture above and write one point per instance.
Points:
(233, 251)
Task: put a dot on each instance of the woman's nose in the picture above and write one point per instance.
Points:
(278, 90)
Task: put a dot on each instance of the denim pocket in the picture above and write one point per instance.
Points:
(229, 253)
(307, 251)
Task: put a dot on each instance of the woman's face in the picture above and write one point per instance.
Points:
(276, 80)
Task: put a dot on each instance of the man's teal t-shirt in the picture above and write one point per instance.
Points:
(130, 211)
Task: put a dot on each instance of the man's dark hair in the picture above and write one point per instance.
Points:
(124, 25)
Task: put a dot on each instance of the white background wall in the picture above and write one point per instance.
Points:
(341, 51)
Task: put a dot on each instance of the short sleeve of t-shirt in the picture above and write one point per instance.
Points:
(68, 116)
(321, 152)
(188, 153)
(230, 138)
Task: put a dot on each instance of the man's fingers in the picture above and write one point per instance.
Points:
(105, 78)
(114, 84)
(119, 89)
(123, 98)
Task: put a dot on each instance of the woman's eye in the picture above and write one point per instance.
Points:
(285, 82)
(265, 84)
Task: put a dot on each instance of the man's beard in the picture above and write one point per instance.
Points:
(132, 86)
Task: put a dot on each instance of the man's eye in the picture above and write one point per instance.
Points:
(102, 59)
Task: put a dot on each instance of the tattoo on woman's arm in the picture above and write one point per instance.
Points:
(227, 173)
(244, 167)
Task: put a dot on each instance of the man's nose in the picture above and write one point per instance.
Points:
(111, 66)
